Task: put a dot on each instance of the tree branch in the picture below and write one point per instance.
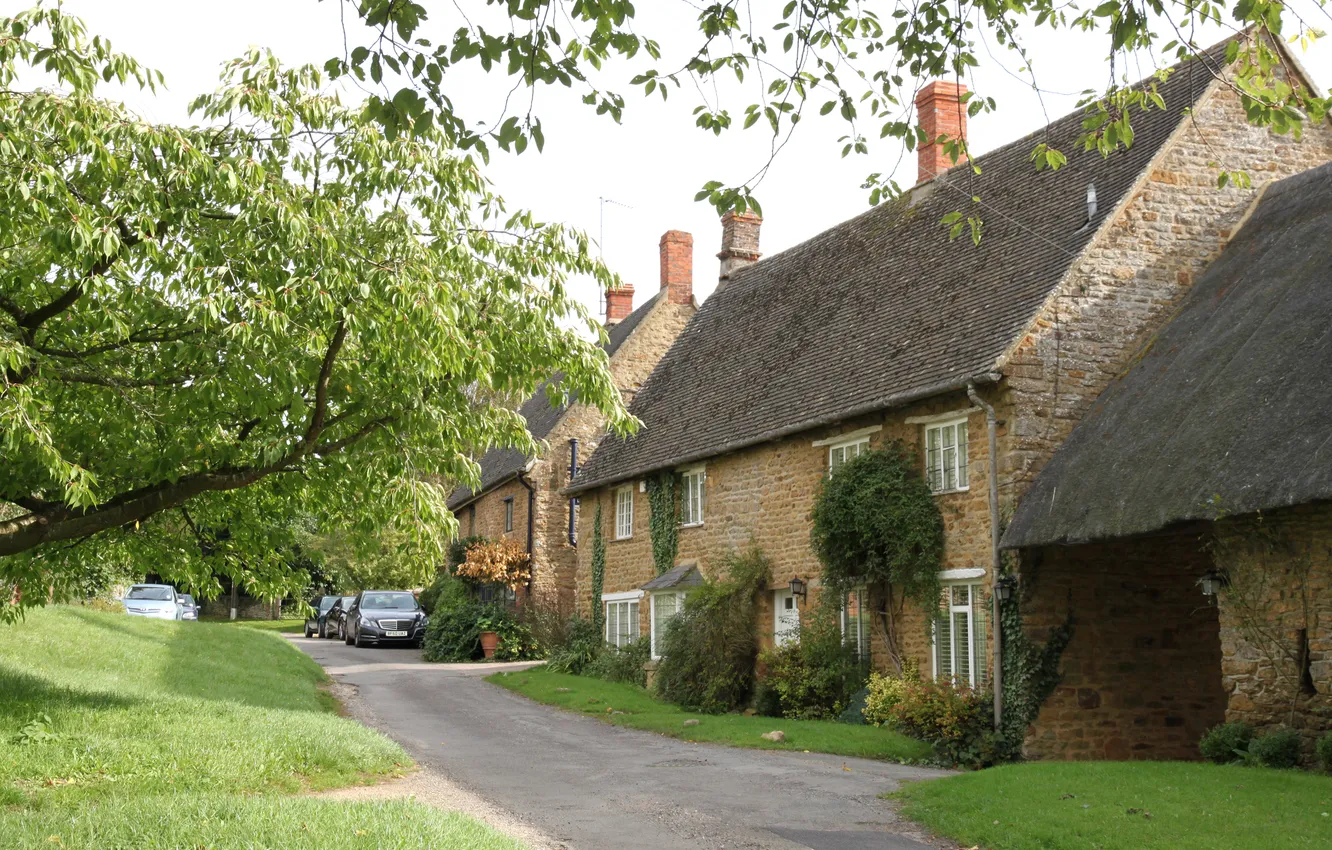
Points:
(320, 412)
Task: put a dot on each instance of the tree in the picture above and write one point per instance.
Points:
(856, 62)
(286, 310)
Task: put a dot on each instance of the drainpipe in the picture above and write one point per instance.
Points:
(992, 431)
(573, 500)
(531, 503)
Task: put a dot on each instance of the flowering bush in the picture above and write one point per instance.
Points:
(502, 562)
(885, 692)
(958, 721)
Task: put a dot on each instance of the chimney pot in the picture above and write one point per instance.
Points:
(677, 267)
(619, 304)
(740, 242)
(940, 111)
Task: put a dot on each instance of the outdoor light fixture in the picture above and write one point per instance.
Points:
(1211, 582)
(798, 587)
(1004, 587)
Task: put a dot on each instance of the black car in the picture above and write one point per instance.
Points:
(314, 624)
(335, 624)
(380, 617)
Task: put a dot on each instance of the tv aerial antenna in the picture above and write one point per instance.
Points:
(601, 244)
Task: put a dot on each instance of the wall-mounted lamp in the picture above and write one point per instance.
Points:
(1211, 583)
(1005, 586)
(798, 587)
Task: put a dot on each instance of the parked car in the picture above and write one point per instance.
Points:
(335, 624)
(158, 601)
(189, 609)
(314, 624)
(378, 617)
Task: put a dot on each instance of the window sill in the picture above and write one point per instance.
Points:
(698, 524)
(949, 492)
(621, 539)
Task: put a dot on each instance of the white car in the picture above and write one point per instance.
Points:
(158, 601)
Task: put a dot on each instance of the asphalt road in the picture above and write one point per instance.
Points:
(593, 786)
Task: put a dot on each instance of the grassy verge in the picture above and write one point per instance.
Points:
(189, 733)
(1128, 805)
(641, 711)
(290, 627)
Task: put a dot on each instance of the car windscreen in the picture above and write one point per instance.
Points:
(388, 602)
(326, 602)
(159, 594)
(189, 600)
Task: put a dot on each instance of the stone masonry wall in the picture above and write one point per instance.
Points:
(1276, 619)
(1142, 674)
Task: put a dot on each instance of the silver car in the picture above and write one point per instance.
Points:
(158, 601)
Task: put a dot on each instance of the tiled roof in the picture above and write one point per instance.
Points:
(500, 464)
(1229, 411)
(680, 577)
(883, 309)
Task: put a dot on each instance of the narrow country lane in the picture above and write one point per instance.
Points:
(592, 786)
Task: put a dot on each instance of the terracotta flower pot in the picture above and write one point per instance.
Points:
(489, 642)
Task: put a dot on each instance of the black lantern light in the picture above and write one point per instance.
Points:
(1211, 583)
(798, 587)
(1004, 587)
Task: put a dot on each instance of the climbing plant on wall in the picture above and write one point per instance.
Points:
(1031, 669)
(598, 568)
(664, 518)
(876, 525)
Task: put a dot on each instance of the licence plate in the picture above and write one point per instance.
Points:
(395, 634)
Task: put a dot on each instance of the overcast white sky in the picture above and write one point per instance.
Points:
(656, 160)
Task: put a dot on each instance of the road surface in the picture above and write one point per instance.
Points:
(588, 785)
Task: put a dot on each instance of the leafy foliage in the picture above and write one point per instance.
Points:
(503, 562)
(1031, 670)
(582, 647)
(598, 570)
(454, 634)
(1323, 749)
(664, 518)
(445, 593)
(709, 649)
(624, 665)
(288, 309)
(856, 64)
(958, 721)
(1279, 748)
(816, 674)
(885, 692)
(1226, 742)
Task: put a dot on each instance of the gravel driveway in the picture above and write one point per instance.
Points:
(587, 785)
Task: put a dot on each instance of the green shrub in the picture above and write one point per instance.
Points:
(1324, 750)
(854, 713)
(1279, 749)
(454, 634)
(816, 673)
(884, 693)
(445, 592)
(458, 551)
(622, 665)
(709, 649)
(958, 721)
(1226, 742)
(767, 702)
(583, 643)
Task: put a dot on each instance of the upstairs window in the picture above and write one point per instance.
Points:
(692, 490)
(624, 513)
(508, 515)
(840, 453)
(946, 456)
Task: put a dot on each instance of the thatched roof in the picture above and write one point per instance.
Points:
(1228, 410)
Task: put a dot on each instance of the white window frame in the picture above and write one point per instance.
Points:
(950, 610)
(961, 456)
(679, 596)
(842, 450)
(693, 497)
(629, 601)
(862, 636)
(624, 512)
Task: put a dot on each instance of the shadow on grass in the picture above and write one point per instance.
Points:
(24, 697)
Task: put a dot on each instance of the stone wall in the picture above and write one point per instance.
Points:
(1276, 619)
(1142, 673)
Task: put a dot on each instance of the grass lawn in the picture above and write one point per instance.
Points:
(111, 724)
(1126, 806)
(290, 627)
(641, 711)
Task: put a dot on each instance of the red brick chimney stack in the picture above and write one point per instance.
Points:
(677, 266)
(740, 242)
(619, 304)
(941, 113)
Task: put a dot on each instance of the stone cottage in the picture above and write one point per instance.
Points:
(1186, 522)
(519, 497)
(883, 329)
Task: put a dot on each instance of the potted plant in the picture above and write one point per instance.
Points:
(489, 637)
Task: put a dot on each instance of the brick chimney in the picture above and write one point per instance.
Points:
(619, 304)
(940, 112)
(677, 267)
(740, 242)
